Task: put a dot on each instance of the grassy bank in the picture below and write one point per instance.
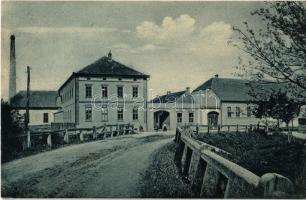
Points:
(262, 154)
(162, 180)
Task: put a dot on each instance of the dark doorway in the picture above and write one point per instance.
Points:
(213, 119)
(161, 120)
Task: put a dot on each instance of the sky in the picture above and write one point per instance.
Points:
(179, 44)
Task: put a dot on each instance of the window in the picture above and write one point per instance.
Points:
(120, 113)
(46, 118)
(179, 117)
(237, 111)
(88, 91)
(135, 113)
(191, 117)
(249, 111)
(88, 113)
(104, 113)
(135, 91)
(229, 112)
(120, 91)
(104, 91)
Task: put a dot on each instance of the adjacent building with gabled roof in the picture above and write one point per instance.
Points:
(218, 101)
(104, 92)
(42, 106)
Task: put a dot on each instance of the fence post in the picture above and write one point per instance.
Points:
(218, 128)
(228, 128)
(251, 128)
(49, 140)
(197, 129)
(66, 137)
(28, 139)
(237, 128)
(128, 129)
(81, 136)
(117, 130)
(94, 132)
(246, 128)
(208, 129)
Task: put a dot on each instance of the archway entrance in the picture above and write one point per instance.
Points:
(161, 120)
(213, 119)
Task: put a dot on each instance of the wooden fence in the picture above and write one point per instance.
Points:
(213, 176)
(74, 135)
(233, 128)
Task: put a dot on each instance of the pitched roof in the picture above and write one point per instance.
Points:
(38, 100)
(235, 90)
(168, 98)
(110, 67)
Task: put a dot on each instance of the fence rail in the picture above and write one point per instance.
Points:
(197, 128)
(213, 176)
(70, 134)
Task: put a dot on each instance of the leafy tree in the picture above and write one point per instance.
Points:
(278, 50)
(278, 106)
(11, 126)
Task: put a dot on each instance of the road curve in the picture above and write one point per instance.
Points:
(107, 168)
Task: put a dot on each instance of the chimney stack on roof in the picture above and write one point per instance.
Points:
(109, 56)
(216, 75)
(12, 76)
(187, 90)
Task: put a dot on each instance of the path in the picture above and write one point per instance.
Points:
(107, 168)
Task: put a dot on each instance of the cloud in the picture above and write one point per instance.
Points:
(127, 48)
(181, 35)
(73, 30)
(170, 29)
(212, 40)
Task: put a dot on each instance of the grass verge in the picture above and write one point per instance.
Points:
(161, 179)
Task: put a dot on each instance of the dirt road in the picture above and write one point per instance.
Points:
(107, 168)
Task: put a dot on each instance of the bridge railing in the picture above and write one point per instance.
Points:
(72, 135)
(213, 176)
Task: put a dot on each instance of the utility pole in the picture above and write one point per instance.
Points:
(27, 119)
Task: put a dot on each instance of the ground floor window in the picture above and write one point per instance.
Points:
(179, 117)
(229, 111)
(120, 114)
(238, 111)
(135, 113)
(88, 113)
(46, 118)
(249, 111)
(191, 117)
(104, 113)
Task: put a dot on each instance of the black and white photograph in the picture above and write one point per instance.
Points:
(153, 99)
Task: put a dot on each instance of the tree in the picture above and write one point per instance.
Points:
(263, 109)
(278, 106)
(277, 51)
(11, 126)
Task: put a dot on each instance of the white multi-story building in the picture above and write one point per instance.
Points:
(104, 92)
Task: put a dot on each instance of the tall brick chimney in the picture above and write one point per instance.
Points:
(12, 80)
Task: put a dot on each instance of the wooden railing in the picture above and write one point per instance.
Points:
(233, 128)
(55, 126)
(73, 135)
(212, 176)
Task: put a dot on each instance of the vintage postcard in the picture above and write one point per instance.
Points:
(135, 99)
